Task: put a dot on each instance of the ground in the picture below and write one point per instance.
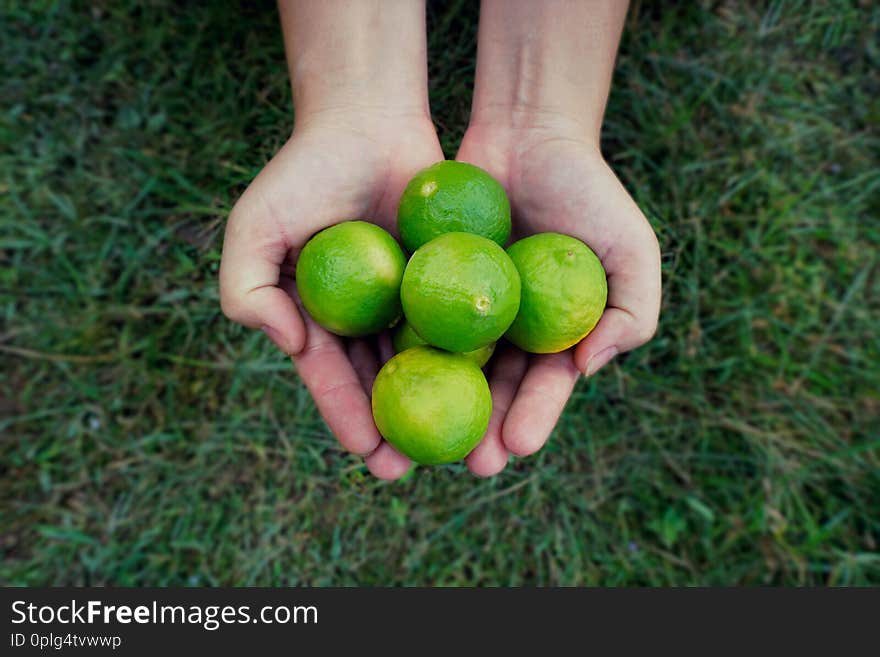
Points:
(148, 440)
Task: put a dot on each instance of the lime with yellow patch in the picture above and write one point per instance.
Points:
(405, 337)
(460, 292)
(431, 405)
(348, 277)
(451, 197)
(564, 291)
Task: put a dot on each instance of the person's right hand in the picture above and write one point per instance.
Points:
(339, 165)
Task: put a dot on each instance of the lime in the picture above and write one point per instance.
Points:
(452, 197)
(348, 277)
(460, 292)
(431, 405)
(405, 337)
(563, 292)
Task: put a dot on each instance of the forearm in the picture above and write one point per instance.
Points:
(551, 60)
(356, 53)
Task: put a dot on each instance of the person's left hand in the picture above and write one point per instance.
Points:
(558, 181)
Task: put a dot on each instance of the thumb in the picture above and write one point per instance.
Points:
(250, 271)
(630, 318)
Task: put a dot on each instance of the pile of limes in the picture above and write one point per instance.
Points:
(458, 293)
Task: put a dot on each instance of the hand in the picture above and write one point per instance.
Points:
(558, 181)
(340, 164)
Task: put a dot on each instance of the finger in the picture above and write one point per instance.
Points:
(630, 318)
(542, 395)
(364, 362)
(249, 276)
(387, 463)
(338, 392)
(616, 332)
(490, 456)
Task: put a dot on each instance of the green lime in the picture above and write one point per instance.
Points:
(348, 277)
(431, 405)
(563, 292)
(460, 292)
(405, 337)
(452, 197)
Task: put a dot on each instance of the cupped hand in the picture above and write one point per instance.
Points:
(337, 166)
(558, 182)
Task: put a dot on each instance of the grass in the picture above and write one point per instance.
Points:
(148, 440)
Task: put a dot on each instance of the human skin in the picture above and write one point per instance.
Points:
(359, 78)
(363, 129)
(543, 74)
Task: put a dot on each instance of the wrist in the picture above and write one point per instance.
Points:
(513, 122)
(546, 68)
(370, 89)
(380, 122)
(367, 56)
(525, 94)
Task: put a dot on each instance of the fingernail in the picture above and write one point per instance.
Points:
(275, 337)
(598, 361)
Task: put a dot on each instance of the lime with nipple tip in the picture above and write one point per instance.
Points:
(460, 292)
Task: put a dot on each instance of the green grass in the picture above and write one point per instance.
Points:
(148, 440)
